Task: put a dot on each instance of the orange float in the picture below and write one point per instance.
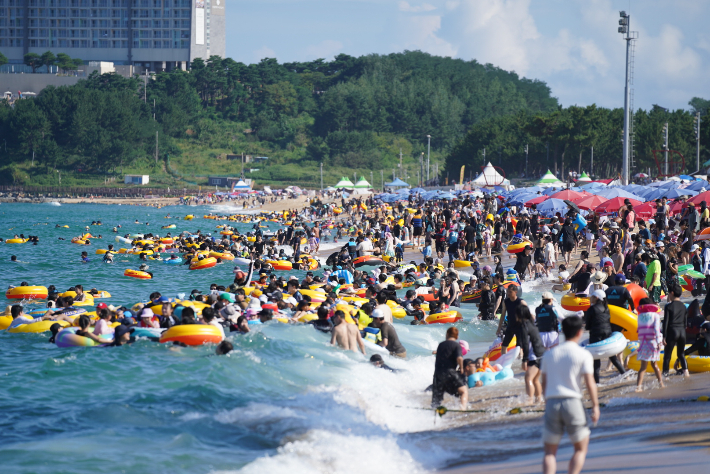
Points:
(27, 293)
(193, 334)
(637, 293)
(281, 265)
(208, 262)
(137, 274)
(449, 317)
(572, 302)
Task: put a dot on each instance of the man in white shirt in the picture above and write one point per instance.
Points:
(19, 317)
(562, 369)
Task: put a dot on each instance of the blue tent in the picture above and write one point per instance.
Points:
(552, 206)
(417, 190)
(397, 183)
(594, 188)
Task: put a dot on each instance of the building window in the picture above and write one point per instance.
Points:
(157, 44)
(157, 34)
(103, 44)
(166, 44)
(145, 44)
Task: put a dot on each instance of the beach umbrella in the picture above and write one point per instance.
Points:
(591, 202)
(640, 175)
(572, 205)
(697, 199)
(537, 200)
(521, 199)
(645, 211)
(678, 192)
(700, 185)
(551, 207)
(612, 193)
(613, 205)
(567, 194)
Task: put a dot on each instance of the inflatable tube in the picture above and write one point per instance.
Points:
(88, 298)
(67, 338)
(462, 263)
(167, 241)
(517, 248)
(696, 363)
(493, 352)
(146, 332)
(509, 357)
(123, 240)
(475, 297)
(280, 265)
(448, 317)
(579, 223)
(610, 346)
(101, 294)
(193, 334)
(637, 293)
(428, 297)
(368, 260)
(26, 293)
(686, 282)
(316, 296)
(189, 217)
(5, 322)
(16, 241)
(226, 232)
(572, 302)
(173, 261)
(38, 327)
(489, 377)
(171, 226)
(208, 262)
(626, 320)
(242, 261)
(224, 255)
(137, 274)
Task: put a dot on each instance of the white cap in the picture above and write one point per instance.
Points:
(694, 247)
(599, 294)
(147, 313)
(291, 300)
(660, 244)
(378, 313)
(547, 296)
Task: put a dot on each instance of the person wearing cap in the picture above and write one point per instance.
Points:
(345, 335)
(148, 319)
(121, 336)
(608, 270)
(598, 280)
(390, 339)
(547, 321)
(449, 371)
(598, 322)
(618, 295)
(509, 327)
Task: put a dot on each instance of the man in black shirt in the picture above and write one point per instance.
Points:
(675, 320)
(523, 262)
(470, 232)
(449, 371)
(618, 295)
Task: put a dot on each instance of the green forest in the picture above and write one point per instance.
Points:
(353, 115)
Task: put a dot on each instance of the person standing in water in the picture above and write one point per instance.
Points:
(449, 371)
(562, 369)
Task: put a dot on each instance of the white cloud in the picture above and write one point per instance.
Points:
(264, 52)
(420, 32)
(406, 7)
(325, 49)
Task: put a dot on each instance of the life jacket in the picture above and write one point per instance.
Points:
(372, 334)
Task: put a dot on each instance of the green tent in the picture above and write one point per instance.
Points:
(549, 180)
(362, 184)
(584, 178)
(345, 183)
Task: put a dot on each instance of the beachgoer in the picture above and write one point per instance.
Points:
(449, 371)
(650, 338)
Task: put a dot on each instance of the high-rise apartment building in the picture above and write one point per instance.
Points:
(149, 34)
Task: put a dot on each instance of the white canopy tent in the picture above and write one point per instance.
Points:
(489, 177)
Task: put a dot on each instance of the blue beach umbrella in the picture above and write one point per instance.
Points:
(552, 206)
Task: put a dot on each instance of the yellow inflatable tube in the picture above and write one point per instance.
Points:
(38, 327)
(696, 363)
(626, 320)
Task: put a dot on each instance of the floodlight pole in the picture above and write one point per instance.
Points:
(624, 28)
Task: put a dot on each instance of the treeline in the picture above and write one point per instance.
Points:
(355, 112)
(562, 141)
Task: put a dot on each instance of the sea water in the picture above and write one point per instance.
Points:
(283, 401)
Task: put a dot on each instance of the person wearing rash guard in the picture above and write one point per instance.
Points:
(547, 321)
(598, 323)
(510, 305)
(675, 319)
(618, 295)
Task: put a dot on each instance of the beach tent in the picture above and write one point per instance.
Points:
(397, 183)
(345, 183)
(490, 177)
(362, 184)
(241, 186)
(584, 178)
(549, 180)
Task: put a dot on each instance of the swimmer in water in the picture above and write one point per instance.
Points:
(84, 257)
(345, 335)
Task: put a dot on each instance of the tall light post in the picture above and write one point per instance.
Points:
(428, 148)
(665, 148)
(526, 160)
(625, 29)
(421, 170)
(321, 176)
(697, 138)
(60, 177)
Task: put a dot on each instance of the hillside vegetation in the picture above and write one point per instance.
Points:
(354, 115)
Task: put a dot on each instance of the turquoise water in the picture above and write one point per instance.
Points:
(282, 400)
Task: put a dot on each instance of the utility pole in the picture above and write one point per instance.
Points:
(145, 87)
(421, 170)
(665, 148)
(428, 147)
(393, 176)
(547, 160)
(697, 138)
(153, 110)
(484, 157)
(591, 166)
(321, 176)
(625, 29)
(382, 175)
(400, 158)
(156, 147)
(526, 160)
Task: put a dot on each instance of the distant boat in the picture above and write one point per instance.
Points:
(54, 203)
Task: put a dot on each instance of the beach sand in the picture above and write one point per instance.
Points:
(657, 431)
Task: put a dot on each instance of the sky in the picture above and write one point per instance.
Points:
(572, 45)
